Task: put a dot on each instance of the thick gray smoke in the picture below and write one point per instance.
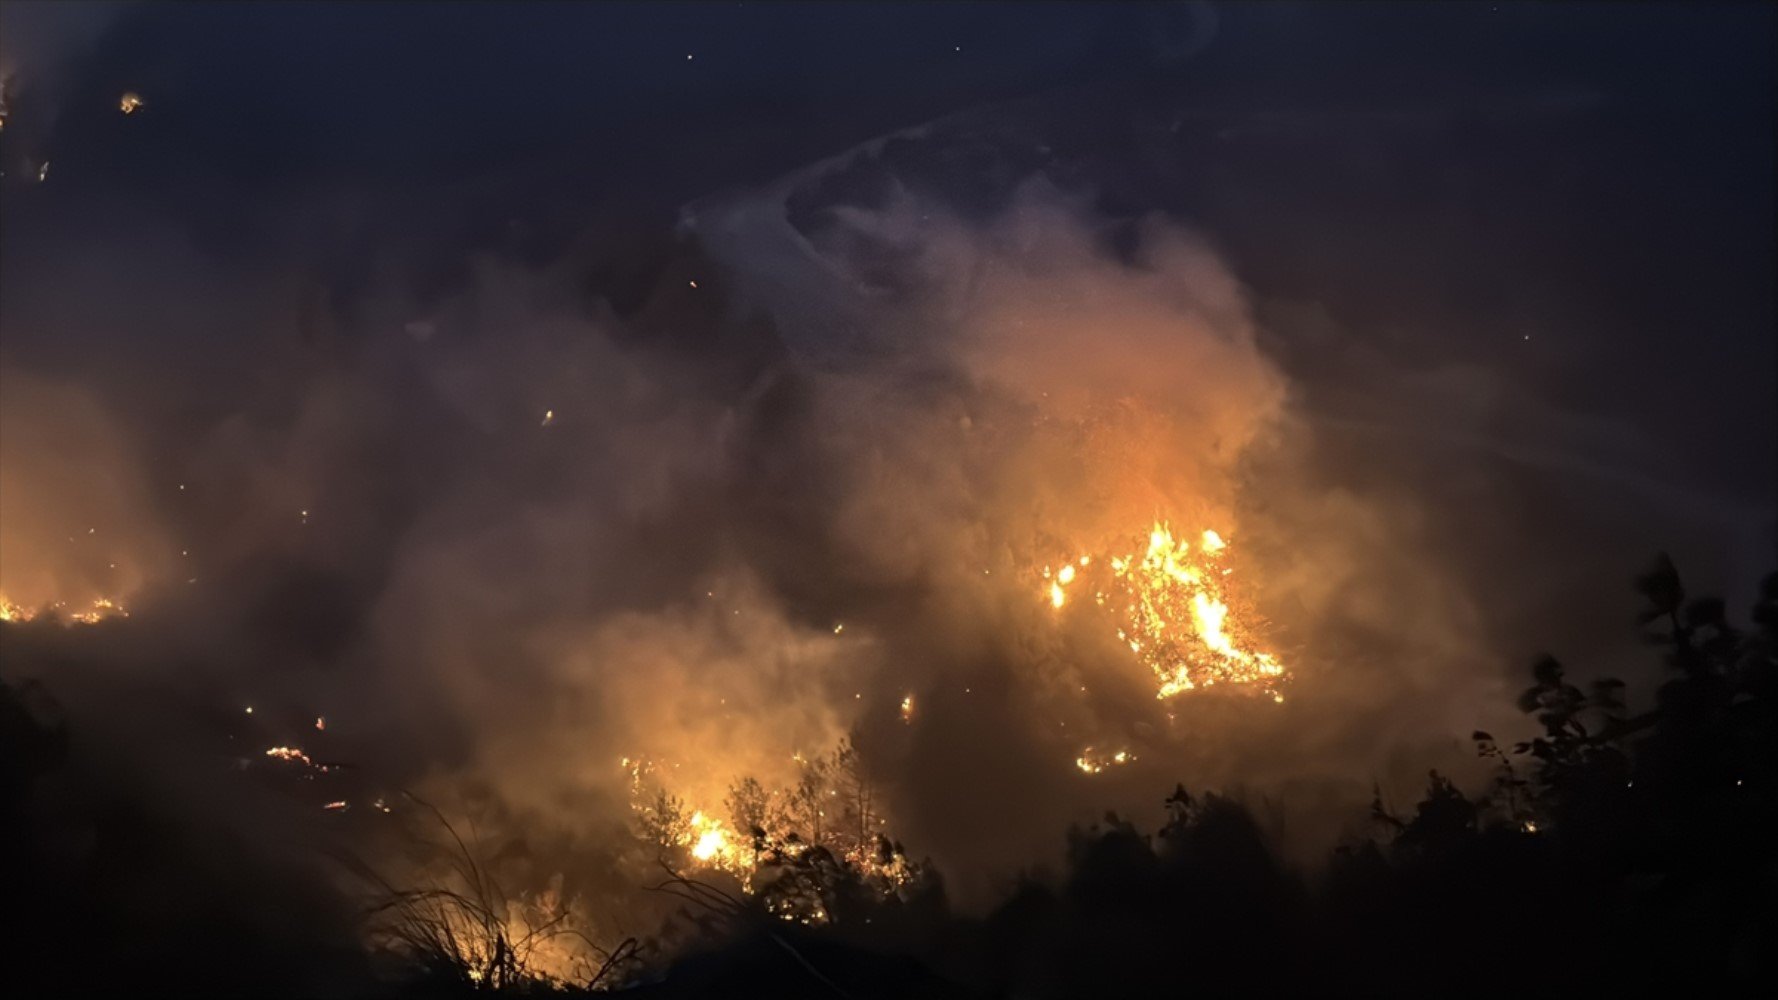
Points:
(510, 543)
(506, 543)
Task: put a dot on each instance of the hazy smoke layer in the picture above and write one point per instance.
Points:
(68, 473)
(508, 543)
(517, 546)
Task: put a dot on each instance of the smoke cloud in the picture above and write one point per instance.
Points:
(510, 540)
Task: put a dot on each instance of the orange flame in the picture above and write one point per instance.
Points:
(1172, 610)
(100, 609)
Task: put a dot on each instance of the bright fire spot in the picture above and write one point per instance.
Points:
(291, 754)
(129, 103)
(713, 840)
(335, 806)
(549, 417)
(1092, 761)
(1172, 609)
(770, 828)
(101, 609)
(907, 708)
(321, 722)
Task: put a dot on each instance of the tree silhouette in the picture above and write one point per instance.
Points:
(1611, 853)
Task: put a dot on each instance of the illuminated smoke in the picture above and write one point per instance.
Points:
(619, 554)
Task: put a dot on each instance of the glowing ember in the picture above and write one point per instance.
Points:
(130, 103)
(907, 708)
(291, 754)
(1092, 761)
(1171, 607)
(101, 609)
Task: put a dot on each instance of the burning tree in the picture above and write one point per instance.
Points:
(799, 850)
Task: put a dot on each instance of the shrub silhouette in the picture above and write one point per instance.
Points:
(1611, 853)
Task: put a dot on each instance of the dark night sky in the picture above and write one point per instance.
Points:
(1598, 173)
(1576, 198)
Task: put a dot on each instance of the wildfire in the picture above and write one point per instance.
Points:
(781, 844)
(713, 845)
(1091, 761)
(100, 609)
(1172, 609)
(291, 754)
(130, 103)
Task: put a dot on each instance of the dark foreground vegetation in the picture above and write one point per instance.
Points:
(1613, 855)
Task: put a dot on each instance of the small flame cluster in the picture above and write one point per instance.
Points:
(100, 609)
(1171, 605)
(292, 754)
(788, 846)
(298, 763)
(1093, 761)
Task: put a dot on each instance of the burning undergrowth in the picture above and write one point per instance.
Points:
(1169, 602)
(659, 589)
(793, 847)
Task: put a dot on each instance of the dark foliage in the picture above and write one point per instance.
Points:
(1612, 854)
(108, 893)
